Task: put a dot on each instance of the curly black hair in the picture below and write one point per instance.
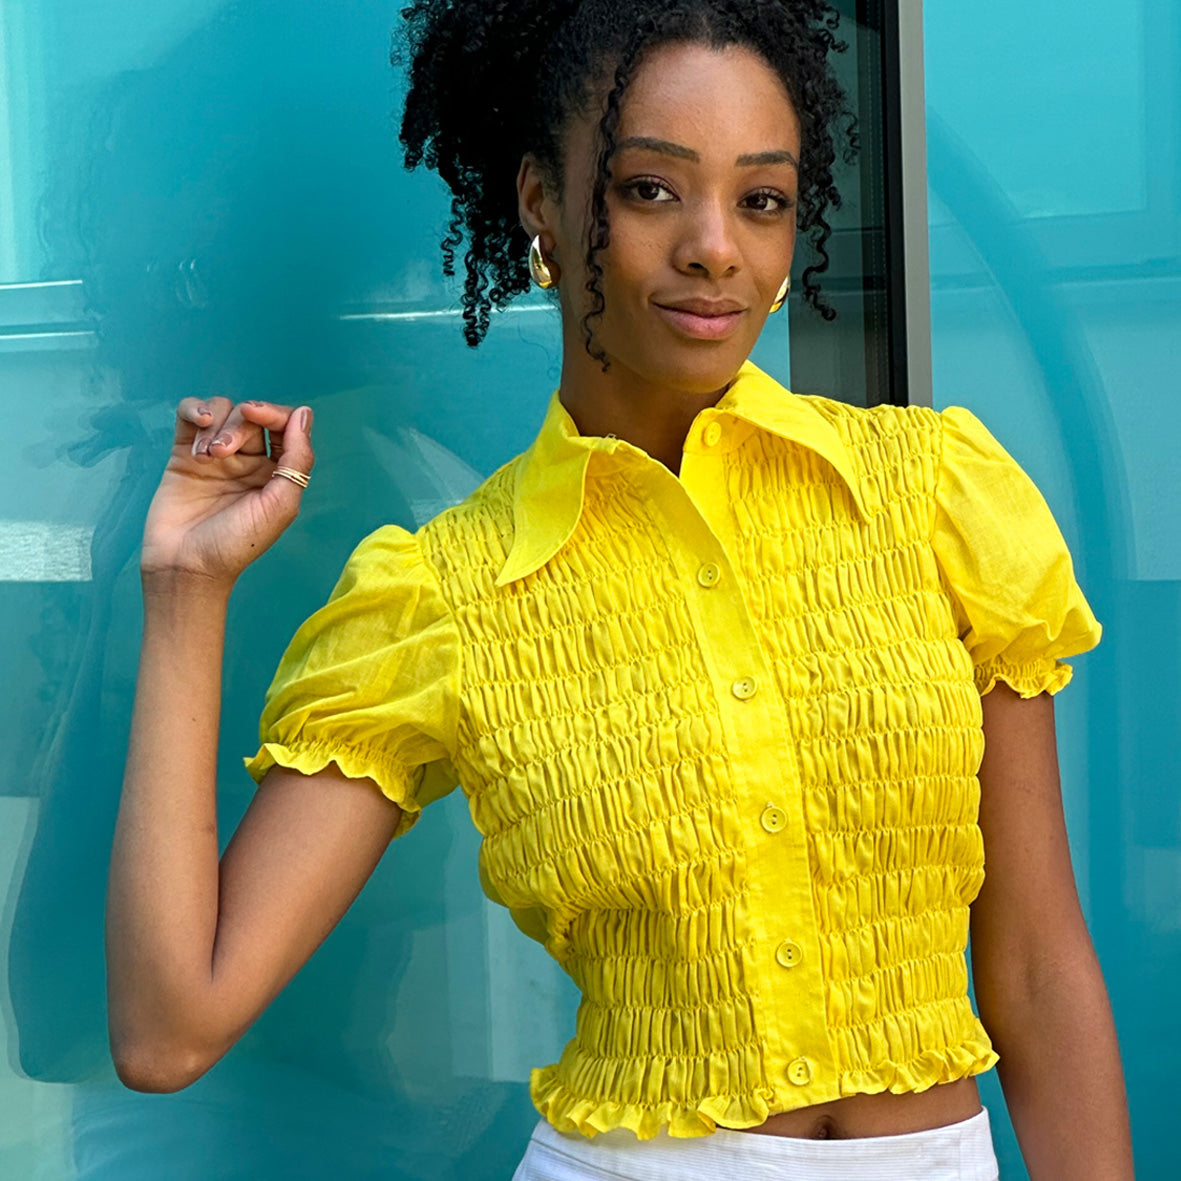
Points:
(493, 80)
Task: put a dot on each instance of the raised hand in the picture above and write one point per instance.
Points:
(217, 507)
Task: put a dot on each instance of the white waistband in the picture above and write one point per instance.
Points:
(961, 1151)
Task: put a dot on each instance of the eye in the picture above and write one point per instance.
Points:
(647, 190)
(767, 201)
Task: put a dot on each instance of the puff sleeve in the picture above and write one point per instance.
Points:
(370, 681)
(1005, 564)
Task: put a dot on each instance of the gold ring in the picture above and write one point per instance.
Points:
(290, 473)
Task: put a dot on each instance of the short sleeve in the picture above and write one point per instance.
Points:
(1006, 565)
(370, 681)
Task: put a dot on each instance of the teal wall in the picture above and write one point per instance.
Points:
(205, 196)
(1054, 141)
(217, 189)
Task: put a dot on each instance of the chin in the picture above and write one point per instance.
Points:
(696, 371)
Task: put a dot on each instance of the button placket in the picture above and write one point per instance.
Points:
(765, 781)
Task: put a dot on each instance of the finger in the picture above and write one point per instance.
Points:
(191, 415)
(219, 410)
(297, 441)
(297, 454)
(237, 435)
(274, 417)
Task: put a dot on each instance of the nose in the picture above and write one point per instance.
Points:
(708, 244)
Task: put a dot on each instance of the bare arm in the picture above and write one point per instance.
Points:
(196, 950)
(1038, 983)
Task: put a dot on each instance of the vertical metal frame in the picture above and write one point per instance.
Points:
(900, 364)
(906, 218)
(879, 347)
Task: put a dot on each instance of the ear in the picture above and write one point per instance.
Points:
(536, 207)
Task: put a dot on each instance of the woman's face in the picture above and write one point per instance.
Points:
(702, 211)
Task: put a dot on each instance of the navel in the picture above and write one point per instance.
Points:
(826, 1129)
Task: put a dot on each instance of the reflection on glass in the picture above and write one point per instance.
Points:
(228, 208)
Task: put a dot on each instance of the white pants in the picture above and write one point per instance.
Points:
(958, 1152)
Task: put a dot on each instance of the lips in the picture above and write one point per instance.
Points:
(703, 319)
(703, 307)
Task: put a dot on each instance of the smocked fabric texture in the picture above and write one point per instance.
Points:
(720, 734)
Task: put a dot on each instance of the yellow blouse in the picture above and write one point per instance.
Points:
(720, 734)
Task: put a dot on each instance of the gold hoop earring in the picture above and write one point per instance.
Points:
(781, 297)
(538, 266)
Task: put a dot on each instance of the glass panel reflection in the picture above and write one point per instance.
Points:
(202, 197)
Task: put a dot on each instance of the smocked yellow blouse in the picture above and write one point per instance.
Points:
(720, 734)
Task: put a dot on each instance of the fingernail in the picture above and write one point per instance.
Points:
(305, 420)
(202, 446)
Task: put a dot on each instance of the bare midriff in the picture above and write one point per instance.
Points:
(883, 1114)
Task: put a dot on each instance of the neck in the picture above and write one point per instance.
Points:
(649, 415)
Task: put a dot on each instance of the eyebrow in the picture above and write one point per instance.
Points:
(780, 157)
(667, 148)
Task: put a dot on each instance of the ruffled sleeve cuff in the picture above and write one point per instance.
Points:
(1027, 677)
(397, 782)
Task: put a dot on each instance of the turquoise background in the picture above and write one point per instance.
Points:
(1055, 181)
(202, 196)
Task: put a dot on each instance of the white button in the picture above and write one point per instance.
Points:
(789, 953)
(744, 688)
(712, 435)
(799, 1071)
(709, 575)
(773, 819)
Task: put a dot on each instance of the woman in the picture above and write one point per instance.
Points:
(740, 685)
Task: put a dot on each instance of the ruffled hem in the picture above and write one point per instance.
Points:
(568, 1112)
(920, 1074)
(1029, 678)
(355, 762)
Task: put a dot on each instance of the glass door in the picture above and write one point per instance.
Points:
(205, 197)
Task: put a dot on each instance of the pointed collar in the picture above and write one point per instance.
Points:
(551, 475)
